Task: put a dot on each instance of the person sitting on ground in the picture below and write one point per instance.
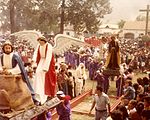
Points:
(115, 115)
(140, 97)
(146, 84)
(123, 109)
(146, 111)
(136, 88)
(137, 114)
(131, 106)
(129, 92)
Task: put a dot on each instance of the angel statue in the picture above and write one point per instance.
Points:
(45, 76)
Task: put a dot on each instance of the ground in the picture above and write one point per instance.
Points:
(86, 104)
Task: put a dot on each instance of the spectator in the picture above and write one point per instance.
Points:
(140, 97)
(80, 78)
(131, 106)
(31, 76)
(99, 78)
(129, 92)
(70, 81)
(146, 111)
(130, 74)
(115, 115)
(62, 79)
(137, 114)
(123, 109)
(146, 84)
(100, 102)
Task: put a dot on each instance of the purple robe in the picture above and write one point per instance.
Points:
(64, 113)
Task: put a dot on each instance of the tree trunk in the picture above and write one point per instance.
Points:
(62, 17)
(12, 16)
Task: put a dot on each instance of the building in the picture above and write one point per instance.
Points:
(108, 29)
(68, 30)
(133, 29)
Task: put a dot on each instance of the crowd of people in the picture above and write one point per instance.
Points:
(134, 58)
(44, 77)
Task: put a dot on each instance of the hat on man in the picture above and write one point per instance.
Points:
(60, 93)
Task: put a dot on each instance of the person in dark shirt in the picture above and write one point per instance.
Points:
(146, 111)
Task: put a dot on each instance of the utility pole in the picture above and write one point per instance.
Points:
(147, 15)
(62, 17)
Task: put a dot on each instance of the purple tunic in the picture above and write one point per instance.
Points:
(64, 113)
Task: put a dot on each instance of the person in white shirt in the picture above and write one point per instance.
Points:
(101, 102)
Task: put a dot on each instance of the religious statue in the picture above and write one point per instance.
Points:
(113, 59)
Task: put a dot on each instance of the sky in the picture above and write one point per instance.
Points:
(126, 10)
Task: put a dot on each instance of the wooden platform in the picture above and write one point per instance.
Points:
(111, 72)
(30, 113)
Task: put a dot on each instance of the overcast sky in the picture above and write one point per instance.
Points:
(126, 10)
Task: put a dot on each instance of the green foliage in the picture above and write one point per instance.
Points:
(4, 18)
(31, 14)
(86, 14)
(140, 18)
(44, 15)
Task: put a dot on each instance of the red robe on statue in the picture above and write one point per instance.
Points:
(50, 77)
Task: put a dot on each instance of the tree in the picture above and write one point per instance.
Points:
(4, 18)
(44, 15)
(121, 23)
(29, 14)
(12, 15)
(141, 18)
(86, 14)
